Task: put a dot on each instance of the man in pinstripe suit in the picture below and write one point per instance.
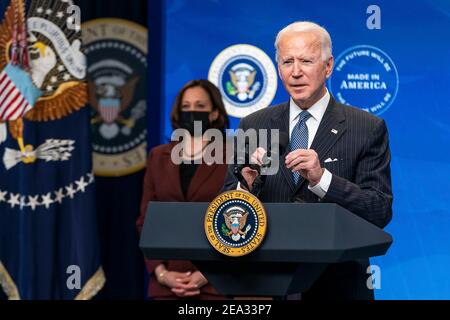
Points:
(337, 153)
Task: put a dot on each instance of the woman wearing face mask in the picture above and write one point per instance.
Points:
(200, 101)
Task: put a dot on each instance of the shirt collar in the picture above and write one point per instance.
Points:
(317, 110)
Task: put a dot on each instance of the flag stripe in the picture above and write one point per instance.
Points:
(3, 81)
(13, 105)
(4, 94)
(3, 75)
(6, 99)
(26, 107)
(20, 107)
(6, 84)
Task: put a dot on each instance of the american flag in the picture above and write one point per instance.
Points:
(13, 103)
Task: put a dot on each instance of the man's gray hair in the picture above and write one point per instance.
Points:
(306, 26)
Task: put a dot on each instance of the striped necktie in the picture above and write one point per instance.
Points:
(299, 137)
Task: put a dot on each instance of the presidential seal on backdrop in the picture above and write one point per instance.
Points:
(246, 77)
(116, 53)
(235, 223)
(366, 77)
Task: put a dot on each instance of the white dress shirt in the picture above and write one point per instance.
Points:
(317, 111)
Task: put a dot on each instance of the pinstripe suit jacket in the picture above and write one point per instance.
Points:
(361, 181)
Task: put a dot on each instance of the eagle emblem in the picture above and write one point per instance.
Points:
(235, 221)
(110, 96)
(243, 84)
(56, 66)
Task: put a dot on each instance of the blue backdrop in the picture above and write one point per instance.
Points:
(414, 35)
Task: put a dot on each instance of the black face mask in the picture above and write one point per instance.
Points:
(187, 119)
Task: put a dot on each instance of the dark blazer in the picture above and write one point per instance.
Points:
(162, 183)
(361, 181)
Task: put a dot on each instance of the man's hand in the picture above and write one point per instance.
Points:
(190, 286)
(249, 174)
(307, 163)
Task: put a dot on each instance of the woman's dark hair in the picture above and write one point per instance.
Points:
(221, 122)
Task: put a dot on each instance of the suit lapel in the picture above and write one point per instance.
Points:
(173, 174)
(280, 120)
(331, 128)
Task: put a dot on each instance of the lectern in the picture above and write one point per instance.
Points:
(301, 240)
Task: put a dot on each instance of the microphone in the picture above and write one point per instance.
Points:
(267, 162)
(264, 169)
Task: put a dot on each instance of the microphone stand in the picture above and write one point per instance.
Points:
(258, 184)
(237, 170)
